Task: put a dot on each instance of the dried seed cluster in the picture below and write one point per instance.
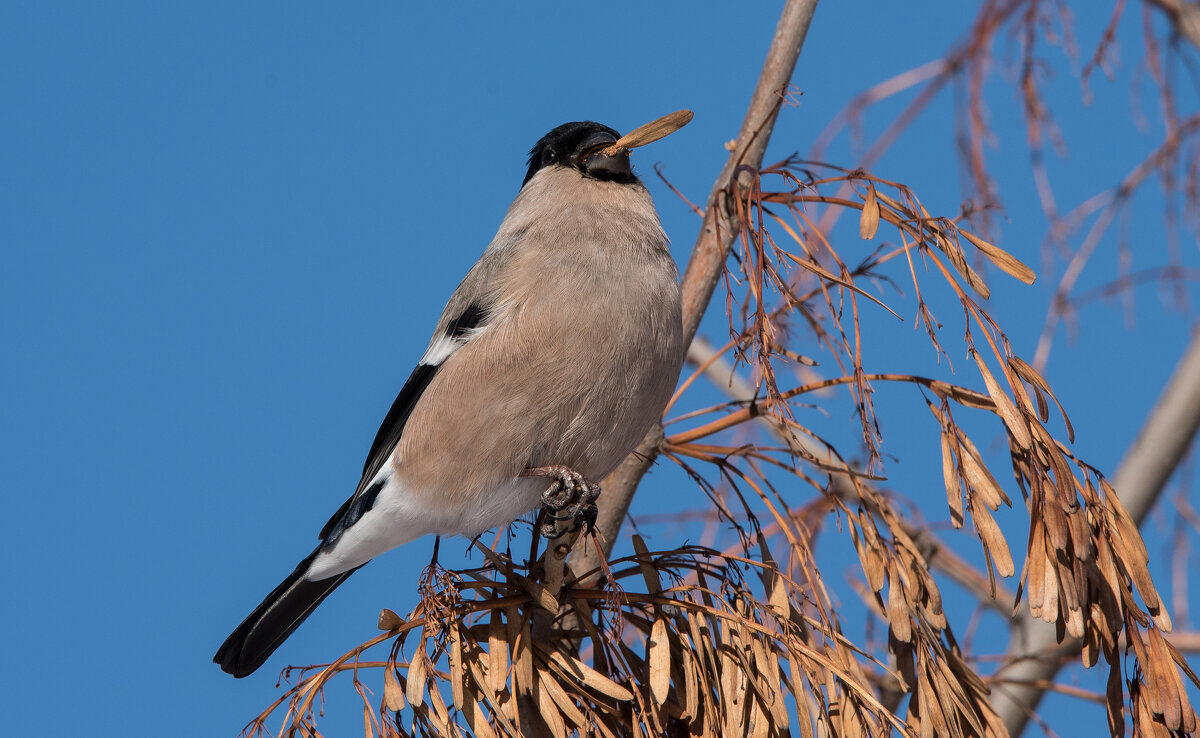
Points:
(746, 639)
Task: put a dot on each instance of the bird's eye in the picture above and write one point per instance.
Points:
(547, 156)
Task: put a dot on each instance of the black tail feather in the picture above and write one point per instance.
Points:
(265, 629)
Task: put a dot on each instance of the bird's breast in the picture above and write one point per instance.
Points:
(581, 352)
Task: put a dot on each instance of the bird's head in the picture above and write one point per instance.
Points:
(581, 146)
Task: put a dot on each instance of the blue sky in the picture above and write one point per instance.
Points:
(228, 228)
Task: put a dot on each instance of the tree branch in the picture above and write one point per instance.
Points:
(1148, 464)
(939, 556)
(1140, 479)
(708, 255)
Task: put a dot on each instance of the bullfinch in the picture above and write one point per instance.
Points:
(554, 356)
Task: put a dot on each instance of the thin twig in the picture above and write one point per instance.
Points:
(708, 255)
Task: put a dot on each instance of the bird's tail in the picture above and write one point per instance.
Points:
(265, 629)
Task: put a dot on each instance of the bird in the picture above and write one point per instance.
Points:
(553, 357)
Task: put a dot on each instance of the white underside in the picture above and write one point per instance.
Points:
(399, 516)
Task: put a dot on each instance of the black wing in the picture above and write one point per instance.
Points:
(393, 423)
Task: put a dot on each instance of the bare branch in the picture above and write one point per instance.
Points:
(709, 253)
(940, 556)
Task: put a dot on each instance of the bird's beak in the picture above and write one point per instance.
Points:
(600, 160)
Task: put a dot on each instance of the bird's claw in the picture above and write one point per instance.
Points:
(569, 497)
(565, 488)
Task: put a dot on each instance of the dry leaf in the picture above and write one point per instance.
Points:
(521, 639)
(981, 480)
(659, 657)
(415, 689)
(1031, 375)
(868, 223)
(439, 716)
(645, 565)
(993, 539)
(497, 664)
(653, 131)
(760, 724)
(872, 562)
(393, 695)
(897, 608)
(589, 677)
(565, 704)
(479, 722)
(1001, 258)
(778, 600)
(950, 478)
(548, 711)
(389, 620)
(454, 656)
(1004, 405)
(687, 679)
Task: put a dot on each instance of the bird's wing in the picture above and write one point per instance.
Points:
(452, 336)
(467, 314)
(292, 601)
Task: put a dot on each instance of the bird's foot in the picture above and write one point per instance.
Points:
(569, 497)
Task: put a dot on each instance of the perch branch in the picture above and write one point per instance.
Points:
(708, 255)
